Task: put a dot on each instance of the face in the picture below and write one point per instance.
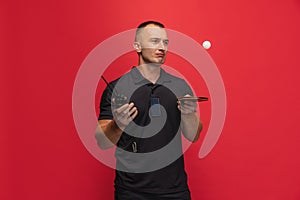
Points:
(152, 45)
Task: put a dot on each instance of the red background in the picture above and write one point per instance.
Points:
(255, 46)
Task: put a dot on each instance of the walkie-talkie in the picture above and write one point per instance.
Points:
(119, 99)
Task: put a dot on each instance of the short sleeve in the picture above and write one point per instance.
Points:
(105, 105)
(188, 89)
(183, 88)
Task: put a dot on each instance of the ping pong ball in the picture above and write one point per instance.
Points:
(206, 44)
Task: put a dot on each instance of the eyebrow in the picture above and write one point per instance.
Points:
(157, 38)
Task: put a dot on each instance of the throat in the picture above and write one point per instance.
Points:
(151, 73)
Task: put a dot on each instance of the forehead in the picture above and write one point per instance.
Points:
(153, 31)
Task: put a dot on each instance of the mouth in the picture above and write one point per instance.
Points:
(160, 55)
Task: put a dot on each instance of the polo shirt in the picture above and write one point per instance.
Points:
(153, 130)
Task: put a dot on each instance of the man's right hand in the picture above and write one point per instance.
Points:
(108, 132)
(124, 115)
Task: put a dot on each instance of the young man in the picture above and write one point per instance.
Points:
(146, 126)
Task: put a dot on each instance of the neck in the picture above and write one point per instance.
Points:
(150, 72)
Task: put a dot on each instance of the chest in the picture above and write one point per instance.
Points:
(158, 96)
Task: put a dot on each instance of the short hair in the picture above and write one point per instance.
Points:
(146, 23)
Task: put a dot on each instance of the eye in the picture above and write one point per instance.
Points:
(166, 42)
(155, 40)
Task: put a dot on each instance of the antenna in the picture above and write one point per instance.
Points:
(120, 99)
(108, 85)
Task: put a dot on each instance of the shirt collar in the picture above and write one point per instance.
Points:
(139, 79)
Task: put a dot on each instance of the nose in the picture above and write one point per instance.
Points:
(162, 46)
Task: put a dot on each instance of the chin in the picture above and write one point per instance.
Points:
(159, 63)
(162, 61)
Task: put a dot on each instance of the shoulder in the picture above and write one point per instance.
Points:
(174, 79)
(123, 77)
(178, 85)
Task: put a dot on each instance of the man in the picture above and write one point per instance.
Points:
(146, 123)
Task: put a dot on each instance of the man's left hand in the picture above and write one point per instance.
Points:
(187, 107)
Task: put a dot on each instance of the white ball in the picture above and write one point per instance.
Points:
(206, 44)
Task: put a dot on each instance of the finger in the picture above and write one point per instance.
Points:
(180, 103)
(121, 109)
(128, 118)
(179, 107)
(189, 103)
(128, 111)
(128, 107)
(186, 112)
(186, 109)
(131, 105)
(134, 114)
(189, 107)
(125, 111)
(131, 111)
(126, 114)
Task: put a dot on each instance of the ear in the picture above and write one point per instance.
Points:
(137, 47)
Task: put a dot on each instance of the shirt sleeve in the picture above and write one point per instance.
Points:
(186, 89)
(105, 105)
(189, 90)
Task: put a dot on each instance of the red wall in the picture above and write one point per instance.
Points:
(255, 45)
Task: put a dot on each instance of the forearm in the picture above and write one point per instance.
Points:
(191, 126)
(107, 134)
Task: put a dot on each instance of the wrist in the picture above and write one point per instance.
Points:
(118, 125)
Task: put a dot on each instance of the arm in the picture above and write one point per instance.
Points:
(191, 125)
(108, 132)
